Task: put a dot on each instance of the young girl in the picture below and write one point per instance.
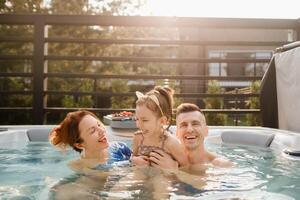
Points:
(153, 114)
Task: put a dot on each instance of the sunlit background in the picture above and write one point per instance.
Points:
(288, 9)
(225, 8)
(278, 9)
(107, 56)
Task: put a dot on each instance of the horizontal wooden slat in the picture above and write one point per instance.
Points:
(15, 39)
(157, 59)
(15, 74)
(16, 57)
(109, 110)
(147, 42)
(16, 108)
(148, 21)
(165, 42)
(28, 92)
(150, 77)
(111, 94)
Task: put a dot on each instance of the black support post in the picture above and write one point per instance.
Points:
(38, 72)
(298, 30)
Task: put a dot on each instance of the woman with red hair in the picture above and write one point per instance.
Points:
(85, 133)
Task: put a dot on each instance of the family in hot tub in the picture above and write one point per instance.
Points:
(153, 144)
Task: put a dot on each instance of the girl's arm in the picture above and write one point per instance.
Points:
(135, 159)
(135, 145)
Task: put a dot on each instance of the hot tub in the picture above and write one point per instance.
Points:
(30, 168)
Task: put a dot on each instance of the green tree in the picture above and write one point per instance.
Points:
(99, 7)
(103, 32)
(254, 103)
(17, 48)
(214, 103)
(22, 6)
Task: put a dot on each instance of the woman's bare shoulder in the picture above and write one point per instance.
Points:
(80, 166)
(76, 165)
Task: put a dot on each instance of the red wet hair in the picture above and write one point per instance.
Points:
(67, 132)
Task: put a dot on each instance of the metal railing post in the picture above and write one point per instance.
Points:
(236, 118)
(298, 30)
(95, 103)
(38, 71)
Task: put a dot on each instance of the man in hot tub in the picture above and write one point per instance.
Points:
(191, 130)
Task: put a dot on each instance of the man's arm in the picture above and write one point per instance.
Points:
(163, 160)
(218, 160)
(160, 159)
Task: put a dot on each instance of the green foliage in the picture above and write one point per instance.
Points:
(254, 103)
(214, 103)
(82, 7)
(17, 48)
(100, 7)
(119, 86)
(22, 6)
(77, 102)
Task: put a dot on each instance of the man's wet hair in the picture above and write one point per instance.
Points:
(187, 107)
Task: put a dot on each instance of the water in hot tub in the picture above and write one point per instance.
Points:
(38, 171)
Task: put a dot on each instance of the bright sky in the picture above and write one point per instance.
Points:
(279, 9)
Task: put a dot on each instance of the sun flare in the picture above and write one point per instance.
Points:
(221, 8)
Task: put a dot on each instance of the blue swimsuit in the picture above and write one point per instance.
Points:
(119, 155)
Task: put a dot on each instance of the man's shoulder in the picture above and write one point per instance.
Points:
(169, 137)
(222, 162)
(172, 142)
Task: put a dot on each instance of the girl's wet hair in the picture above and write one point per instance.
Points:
(164, 96)
(67, 132)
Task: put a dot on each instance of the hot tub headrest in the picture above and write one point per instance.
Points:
(39, 134)
(247, 137)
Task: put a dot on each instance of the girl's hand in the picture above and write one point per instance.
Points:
(140, 160)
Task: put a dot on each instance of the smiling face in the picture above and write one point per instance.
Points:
(191, 129)
(147, 121)
(93, 134)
